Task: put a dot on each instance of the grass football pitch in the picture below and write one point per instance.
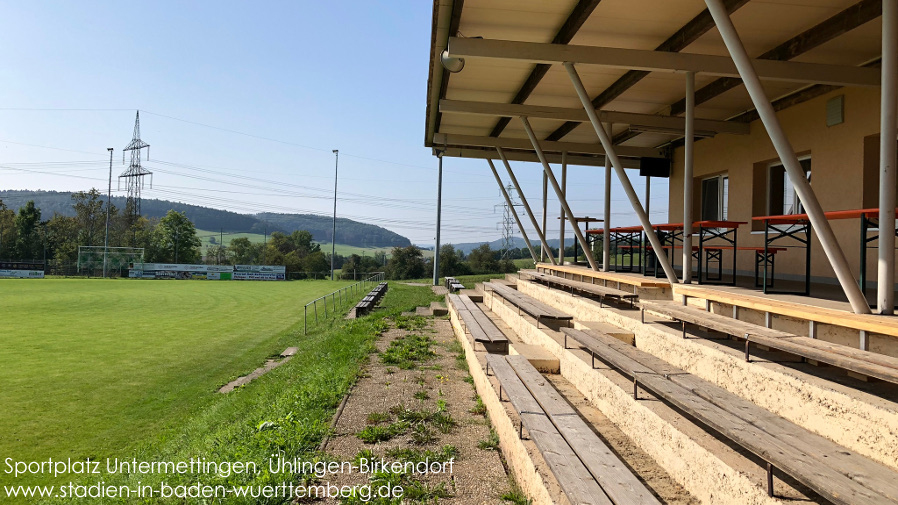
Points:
(92, 368)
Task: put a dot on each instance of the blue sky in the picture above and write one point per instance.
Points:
(296, 79)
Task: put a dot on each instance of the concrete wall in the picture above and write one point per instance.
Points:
(838, 175)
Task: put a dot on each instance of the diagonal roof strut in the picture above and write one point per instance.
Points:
(686, 35)
(570, 27)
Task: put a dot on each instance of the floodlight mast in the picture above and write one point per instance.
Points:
(334, 232)
(108, 199)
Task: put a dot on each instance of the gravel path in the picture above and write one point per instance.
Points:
(478, 475)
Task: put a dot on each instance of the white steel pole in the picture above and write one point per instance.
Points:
(619, 170)
(561, 210)
(606, 222)
(560, 194)
(885, 291)
(513, 211)
(687, 178)
(334, 232)
(436, 252)
(108, 200)
(545, 203)
(517, 187)
(787, 156)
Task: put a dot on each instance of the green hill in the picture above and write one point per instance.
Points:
(349, 232)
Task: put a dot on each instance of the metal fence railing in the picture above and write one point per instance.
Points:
(340, 299)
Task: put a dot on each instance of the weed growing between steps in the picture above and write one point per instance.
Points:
(284, 413)
(408, 351)
(419, 423)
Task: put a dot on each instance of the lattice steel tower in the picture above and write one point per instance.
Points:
(508, 222)
(135, 173)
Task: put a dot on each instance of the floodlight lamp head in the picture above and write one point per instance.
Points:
(335, 151)
(451, 63)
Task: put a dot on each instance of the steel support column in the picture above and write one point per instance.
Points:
(687, 178)
(436, 252)
(564, 205)
(885, 295)
(542, 256)
(561, 208)
(787, 156)
(619, 170)
(514, 180)
(606, 223)
(513, 211)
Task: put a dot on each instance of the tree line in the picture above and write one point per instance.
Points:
(27, 236)
(409, 262)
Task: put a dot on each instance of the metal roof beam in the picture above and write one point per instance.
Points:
(570, 27)
(661, 61)
(564, 114)
(444, 139)
(857, 15)
(530, 156)
(682, 38)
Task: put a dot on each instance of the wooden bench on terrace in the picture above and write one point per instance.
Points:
(526, 303)
(830, 470)
(479, 325)
(584, 287)
(585, 468)
(637, 281)
(848, 358)
(453, 285)
(865, 324)
(371, 299)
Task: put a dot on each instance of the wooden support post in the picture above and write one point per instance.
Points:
(865, 340)
(769, 480)
(812, 329)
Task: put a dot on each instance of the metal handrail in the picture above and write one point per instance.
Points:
(352, 289)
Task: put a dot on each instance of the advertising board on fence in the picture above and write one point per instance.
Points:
(207, 272)
(258, 276)
(22, 274)
(275, 269)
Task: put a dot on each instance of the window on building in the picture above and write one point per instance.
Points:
(781, 196)
(715, 198)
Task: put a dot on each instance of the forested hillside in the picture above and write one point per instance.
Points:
(349, 232)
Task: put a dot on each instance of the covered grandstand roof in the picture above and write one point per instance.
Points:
(464, 109)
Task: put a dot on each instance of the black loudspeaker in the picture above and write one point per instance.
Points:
(654, 167)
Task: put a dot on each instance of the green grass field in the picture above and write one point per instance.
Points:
(341, 249)
(92, 368)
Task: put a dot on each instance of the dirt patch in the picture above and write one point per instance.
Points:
(246, 379)
(414, 405)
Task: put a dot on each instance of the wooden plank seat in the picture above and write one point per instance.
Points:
(363, 307)
(371, 299)
(862, 362)
(621, 278)
(585, 468)
(868, 323)
(453, 285)
(479, 325)
(832, 471)
(585, 287)
(527, 303)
